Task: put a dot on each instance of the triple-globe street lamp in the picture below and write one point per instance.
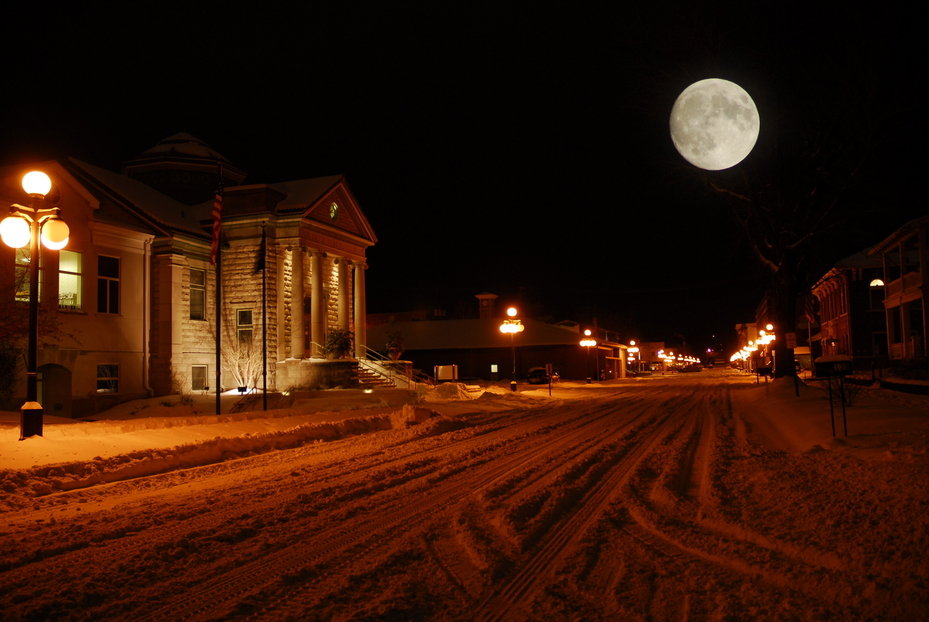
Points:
(26, 225)
(588, 342)
(634, 356)
(511, 326)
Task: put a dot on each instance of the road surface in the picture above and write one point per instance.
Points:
(630, 501)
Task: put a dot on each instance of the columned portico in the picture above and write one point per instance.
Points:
(296, 303)
(361, 337)
(345, 288)
(317, 305)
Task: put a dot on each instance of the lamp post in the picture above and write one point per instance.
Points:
(588, 342)
(511, 326)
(26, 225)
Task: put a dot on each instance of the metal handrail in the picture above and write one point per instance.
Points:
(374, 360)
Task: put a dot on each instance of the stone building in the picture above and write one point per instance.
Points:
(129, 307)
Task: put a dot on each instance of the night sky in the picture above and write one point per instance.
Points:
(517, 148)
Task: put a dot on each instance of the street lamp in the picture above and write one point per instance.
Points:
(588, 342)
(511, 326)
(634, 354)
(26, 225)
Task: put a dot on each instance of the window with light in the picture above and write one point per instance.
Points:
(22, 274)
(69, 280)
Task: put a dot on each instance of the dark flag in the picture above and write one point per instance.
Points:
(217, 217)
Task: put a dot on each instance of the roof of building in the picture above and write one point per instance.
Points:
(861, 259)
(455, 334)
(302, 192)
(183, 149)
(133, 194)
(904, 231)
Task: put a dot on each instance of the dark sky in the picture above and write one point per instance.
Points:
(518, 148)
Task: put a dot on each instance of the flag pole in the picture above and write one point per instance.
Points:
(216, 258)
(264, 316)
(219, 319)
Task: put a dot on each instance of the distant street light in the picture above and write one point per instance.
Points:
(634, 354)
(25, 225)
(511, 326)
(588, 342)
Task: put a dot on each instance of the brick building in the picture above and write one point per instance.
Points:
(128, 309)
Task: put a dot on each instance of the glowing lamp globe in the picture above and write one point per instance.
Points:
(55, 234)
(14, 231)
(36, 183)
(714, 124)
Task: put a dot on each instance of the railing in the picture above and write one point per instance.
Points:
(390, 370)
(398, 373)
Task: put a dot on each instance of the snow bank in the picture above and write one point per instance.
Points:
(235, 436)
(453, 391)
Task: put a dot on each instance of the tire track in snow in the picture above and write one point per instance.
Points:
(512, 599)
(733, 546)
(354, 544)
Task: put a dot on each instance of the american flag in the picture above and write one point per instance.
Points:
(217, 217)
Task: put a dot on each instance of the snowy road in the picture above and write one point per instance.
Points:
(636, 501)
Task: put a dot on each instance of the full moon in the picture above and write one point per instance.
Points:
(714, 124)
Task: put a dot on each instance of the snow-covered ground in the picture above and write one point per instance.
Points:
(699, 496)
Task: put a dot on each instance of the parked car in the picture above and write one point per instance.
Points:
(692, 367)
(539, 375)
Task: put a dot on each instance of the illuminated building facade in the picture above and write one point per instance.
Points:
(129, 307)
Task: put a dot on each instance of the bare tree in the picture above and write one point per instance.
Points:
(792, 216)
(242, 357)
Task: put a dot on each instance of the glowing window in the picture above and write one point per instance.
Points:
(69, 280)
(22, 274)
(877, 283)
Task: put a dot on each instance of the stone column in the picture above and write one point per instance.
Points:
(318, 306)
(296, 303)
(276, 291)
(168, 319)
(361, 337)
(344, 294)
